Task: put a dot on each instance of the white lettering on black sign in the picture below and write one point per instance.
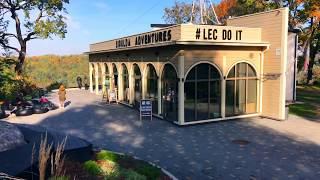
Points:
(213, 34)
(150, 38)
(121, 43)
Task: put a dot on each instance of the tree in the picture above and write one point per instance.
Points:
(308, 19)
(31, 19)
(224, 9)
(179, 13)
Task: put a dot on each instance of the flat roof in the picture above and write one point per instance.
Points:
(184, 34)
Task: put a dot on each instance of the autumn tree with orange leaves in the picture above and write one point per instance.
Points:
(224, 9)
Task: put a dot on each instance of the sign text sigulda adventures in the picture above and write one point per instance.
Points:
(145, 39)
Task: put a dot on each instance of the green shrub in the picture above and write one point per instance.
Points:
(149, 171)
(107, 155)
(132, 175)
(114, 175)
(93, 168)
(59, 178)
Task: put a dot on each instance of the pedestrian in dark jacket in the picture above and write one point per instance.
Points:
(79, 81)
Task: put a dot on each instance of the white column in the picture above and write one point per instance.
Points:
(223, 88)
(181, 90)
(131, 88)
(90, 78)
(159, 96)
(223, 98)
(96, 69)
(144, 84)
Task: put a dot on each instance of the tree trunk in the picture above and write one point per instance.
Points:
(21, 58)
(310, 73)
(314, 49)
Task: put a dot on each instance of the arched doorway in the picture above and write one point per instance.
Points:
(202, 93)
(93, 76)
(137, 86)
(125, 83)
(241, 90)
(107, 77)
(152, 87)
(100, 83)
(169, 93)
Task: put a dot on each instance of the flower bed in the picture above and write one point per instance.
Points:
(109, 165)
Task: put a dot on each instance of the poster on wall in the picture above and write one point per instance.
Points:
(145, 108)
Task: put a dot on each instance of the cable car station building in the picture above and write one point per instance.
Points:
(200, 73)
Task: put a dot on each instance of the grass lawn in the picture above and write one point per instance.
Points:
(308, 102)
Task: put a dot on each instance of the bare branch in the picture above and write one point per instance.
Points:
(29, 37)
(5, 46)
(3, 36)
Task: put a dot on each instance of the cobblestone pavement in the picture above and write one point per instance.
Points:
(275, 150)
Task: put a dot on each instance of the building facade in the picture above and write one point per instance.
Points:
(200, 73)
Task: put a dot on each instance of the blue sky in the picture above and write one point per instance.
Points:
(101, 20)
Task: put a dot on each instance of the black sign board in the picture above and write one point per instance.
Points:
(145, 108)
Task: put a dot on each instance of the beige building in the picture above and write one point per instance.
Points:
(200, 73)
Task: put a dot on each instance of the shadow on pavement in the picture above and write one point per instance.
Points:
(198, 152)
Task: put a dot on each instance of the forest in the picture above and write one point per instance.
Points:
(48, 70)
(45, 72)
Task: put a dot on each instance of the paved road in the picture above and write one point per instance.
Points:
(276, 150)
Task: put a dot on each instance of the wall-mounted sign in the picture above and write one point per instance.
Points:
(145, 39)
(145, 108)
(218, 34)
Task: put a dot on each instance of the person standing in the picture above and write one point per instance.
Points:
(62, 95)
(85, 81)
(79, 81)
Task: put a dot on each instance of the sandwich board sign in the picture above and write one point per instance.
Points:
(112, 96)
(145, 108)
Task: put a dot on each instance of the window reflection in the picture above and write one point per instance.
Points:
(241, 90)
(137, 86)
(152, 87)
(169, 93)
(202, 93)
(125, 81)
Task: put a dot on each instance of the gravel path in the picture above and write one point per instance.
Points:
(275, 150)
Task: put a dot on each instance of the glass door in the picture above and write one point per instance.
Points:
(169, 100)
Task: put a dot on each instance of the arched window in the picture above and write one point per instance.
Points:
(152, 87)
(169, 90)
(137, 85)
(241, 90)
(125, 83)
(202, 93)
(115, 75)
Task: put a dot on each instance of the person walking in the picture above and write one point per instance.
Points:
(62, 95)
